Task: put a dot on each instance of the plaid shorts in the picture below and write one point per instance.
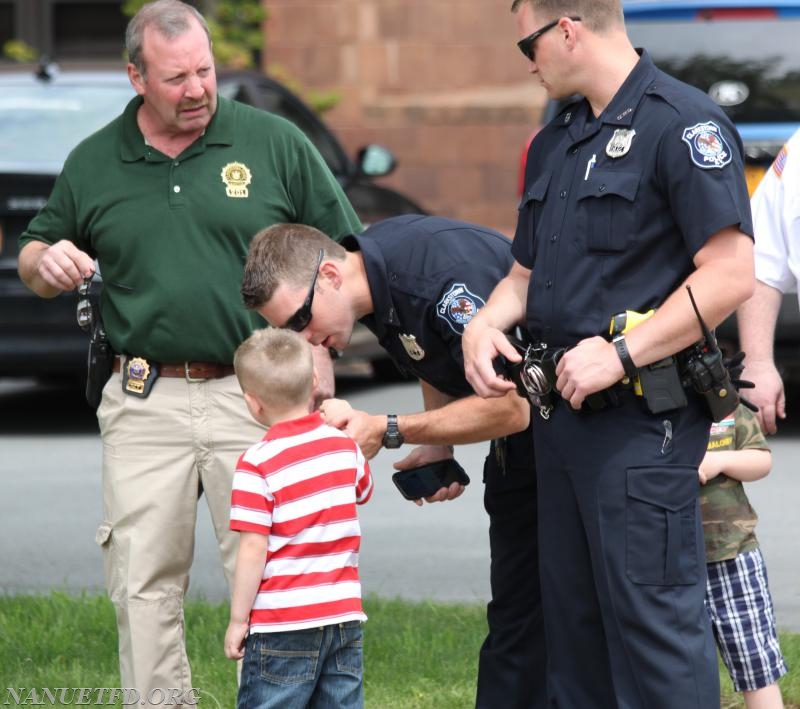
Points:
(740, 608)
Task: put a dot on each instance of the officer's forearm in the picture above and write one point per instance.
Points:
(756, 320)
(506, 305)
(726, 259)
(468, 420)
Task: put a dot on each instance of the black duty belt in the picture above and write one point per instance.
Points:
(535, 377)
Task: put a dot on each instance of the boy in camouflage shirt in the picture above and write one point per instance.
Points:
(737, 594)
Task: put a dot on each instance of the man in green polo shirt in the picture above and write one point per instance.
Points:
(166, 198)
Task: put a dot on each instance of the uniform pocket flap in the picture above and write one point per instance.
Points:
(537, 191)
(603, 183)
(671, 487)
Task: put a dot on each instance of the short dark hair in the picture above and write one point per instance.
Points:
(283, 253)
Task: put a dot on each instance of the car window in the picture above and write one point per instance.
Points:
(42, 123)
(750, 66)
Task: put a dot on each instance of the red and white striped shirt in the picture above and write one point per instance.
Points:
(300, 486)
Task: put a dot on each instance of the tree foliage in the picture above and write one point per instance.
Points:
(235, 27)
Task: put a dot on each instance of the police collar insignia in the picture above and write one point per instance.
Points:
(412, 347)
(620, 142)
(236, 176)
(458, 306)
(707, 147)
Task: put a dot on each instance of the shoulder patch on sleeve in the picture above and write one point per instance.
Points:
(707, 147)
(458, 306)
(780, 161)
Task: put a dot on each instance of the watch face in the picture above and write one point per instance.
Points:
(392, 438)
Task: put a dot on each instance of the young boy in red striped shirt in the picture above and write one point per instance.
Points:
(296, 610)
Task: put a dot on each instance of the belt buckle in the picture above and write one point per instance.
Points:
(189, 378)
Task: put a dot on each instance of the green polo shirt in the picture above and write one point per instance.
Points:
(171, 235)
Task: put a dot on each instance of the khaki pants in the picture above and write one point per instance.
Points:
(159, 455)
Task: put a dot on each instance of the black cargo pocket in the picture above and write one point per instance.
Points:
(661, 525)
(606, 215)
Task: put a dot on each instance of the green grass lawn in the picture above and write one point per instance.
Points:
(417, 655)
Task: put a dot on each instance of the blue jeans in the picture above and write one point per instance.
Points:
(319, 668)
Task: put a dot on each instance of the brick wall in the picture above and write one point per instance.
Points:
(440, 82)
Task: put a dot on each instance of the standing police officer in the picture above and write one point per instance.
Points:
(632, 193)
(416, 282)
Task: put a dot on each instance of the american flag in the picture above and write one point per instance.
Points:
(780, 161)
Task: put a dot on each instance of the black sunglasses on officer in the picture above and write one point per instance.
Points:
(302, 316)
(526, 43)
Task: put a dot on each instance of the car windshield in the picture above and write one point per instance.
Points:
(42, 123)
(750, 66)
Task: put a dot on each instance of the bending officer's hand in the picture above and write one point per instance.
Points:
(422, 455)
(365, 429)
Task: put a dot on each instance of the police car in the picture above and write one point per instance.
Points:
(45, 113)
(746, 56)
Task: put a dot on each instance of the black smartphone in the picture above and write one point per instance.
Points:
(425, 480)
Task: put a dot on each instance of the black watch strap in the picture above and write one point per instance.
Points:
(625, 356)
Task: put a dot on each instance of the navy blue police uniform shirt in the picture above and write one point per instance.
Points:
(616, 207)
(428, 276)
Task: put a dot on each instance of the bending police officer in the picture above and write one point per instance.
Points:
(415, 282)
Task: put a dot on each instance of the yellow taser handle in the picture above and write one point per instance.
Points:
(622, 322)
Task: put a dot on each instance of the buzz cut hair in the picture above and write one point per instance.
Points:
(597, 15)
(277, 366)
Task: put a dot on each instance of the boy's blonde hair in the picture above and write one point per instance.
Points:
(277, 366)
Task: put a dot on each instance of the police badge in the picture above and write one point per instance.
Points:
(236, 177)
(620, 142)
(138, 376)
(412, 347)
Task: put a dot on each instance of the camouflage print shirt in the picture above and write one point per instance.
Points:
(728, 519)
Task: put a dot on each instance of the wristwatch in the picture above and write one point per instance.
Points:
(624, 356)
(392, 438)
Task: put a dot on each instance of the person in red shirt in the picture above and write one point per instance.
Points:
(296, 610)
